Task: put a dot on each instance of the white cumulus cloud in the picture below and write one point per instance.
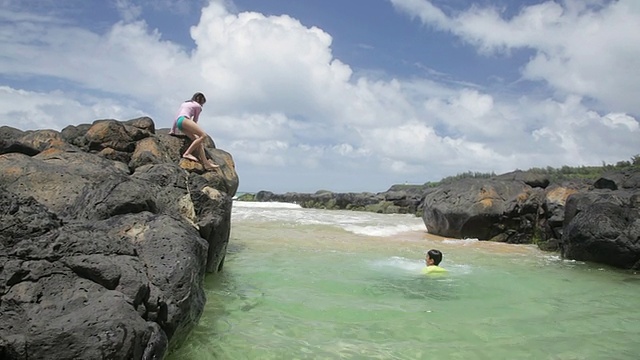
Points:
(296, 117)
(582, 47)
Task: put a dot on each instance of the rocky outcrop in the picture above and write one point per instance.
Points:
(603, 225)
(503, 208)
(393, 201)
(597, 222)
(485, 209)
(106, 238)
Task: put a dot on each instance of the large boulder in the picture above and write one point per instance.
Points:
(486, 209)
(550, 225)
(603, 225)
(533, 179)
(107, 236)
(619, 180)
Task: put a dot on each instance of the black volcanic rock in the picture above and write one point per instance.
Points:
(105, 240)
(604, 225)
(486, 209)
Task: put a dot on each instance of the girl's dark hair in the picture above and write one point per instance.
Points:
(435, 255)
(199, 98)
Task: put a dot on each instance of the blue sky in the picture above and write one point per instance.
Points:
(340, 95)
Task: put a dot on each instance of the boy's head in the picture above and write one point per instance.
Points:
(434, 257)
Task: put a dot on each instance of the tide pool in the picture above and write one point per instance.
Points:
(315, 284)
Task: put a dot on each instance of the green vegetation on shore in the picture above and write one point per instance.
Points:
(554, 174)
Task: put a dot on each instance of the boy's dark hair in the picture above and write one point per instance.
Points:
(435, 255)
(199, 98)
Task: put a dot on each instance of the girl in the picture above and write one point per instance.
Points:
(187, 122)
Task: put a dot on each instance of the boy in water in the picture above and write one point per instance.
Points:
(433, 259)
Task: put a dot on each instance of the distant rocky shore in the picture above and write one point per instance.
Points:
(106, 236)
(596, 221)
(392, 201)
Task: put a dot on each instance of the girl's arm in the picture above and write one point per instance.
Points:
(196, 113)
(174, 128)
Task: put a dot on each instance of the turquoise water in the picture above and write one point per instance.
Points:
(313, 284)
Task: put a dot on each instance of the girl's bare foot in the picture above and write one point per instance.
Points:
(210, 166)
(190, 157)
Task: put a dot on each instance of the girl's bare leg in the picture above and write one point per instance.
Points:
(195, 132)
(195, 144)
(208, 164)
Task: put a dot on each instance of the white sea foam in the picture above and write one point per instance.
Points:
(383, 230)
(356, 222)
(553, 258)
(401, 263)
(270, 205)
(560, 259)
(460, 241)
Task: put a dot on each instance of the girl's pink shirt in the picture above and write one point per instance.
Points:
(190, 109)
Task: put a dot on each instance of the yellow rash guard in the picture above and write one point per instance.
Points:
(433, 269)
